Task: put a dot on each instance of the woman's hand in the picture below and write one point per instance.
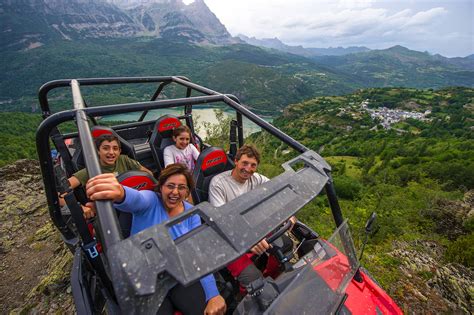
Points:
(105, 187)
(215, 306)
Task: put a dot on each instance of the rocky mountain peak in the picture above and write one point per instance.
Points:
(32, 23)
(173, 19)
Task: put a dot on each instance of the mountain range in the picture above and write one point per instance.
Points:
(275, 43)
(28, 24)
(44, 40)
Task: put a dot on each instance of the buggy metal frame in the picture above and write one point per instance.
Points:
(146, 265)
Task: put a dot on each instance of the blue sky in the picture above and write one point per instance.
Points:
(437, 26)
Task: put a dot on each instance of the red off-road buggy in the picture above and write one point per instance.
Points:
(118, 273)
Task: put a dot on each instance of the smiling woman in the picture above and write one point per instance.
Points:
(174, 186)
(148, 209)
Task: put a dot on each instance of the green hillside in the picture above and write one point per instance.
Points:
(413, 175)
(263, 79)
(268, 80)
(399, 66)
(17, 135)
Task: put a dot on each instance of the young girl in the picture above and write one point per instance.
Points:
(182, 151)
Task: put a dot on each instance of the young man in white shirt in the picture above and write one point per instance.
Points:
(231, 184)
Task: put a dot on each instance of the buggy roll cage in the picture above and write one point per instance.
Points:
(146, 265)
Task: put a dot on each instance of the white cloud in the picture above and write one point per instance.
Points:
(323, 23)
(422, 18)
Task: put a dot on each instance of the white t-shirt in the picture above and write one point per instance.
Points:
(224, 188)
(188, 156)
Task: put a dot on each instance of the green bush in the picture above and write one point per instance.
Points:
(347, 188)
(461, 251)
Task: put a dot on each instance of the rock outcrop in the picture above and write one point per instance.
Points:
(451, 216)
(35, 264)
(430, 284)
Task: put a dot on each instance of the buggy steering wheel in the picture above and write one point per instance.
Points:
(279, 232)
(277, 250)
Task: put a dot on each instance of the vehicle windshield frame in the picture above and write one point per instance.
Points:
(322, 274)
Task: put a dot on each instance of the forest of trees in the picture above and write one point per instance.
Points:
(258, 77)
(17, 135)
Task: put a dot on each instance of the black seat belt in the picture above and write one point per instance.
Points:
(89, 243)
(233, 139)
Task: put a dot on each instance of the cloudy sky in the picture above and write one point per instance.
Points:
(437, 26)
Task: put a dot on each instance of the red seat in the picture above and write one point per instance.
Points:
(137, 180)
(211, 162)
(161, 137)
(126, 147)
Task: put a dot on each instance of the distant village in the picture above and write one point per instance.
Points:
(387, 116)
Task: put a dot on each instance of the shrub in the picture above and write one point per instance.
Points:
(461, 251)
(347, 188)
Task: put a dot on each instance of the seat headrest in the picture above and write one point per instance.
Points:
(165, 125)
(127, 148)
(98, 131)
(137, 180)
(214, 161)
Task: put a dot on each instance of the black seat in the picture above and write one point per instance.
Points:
(211, 162)
(137, 180)
(161, 137)
(126, 147)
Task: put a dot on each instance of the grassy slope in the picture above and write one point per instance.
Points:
(414, 181)
(17, 135)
